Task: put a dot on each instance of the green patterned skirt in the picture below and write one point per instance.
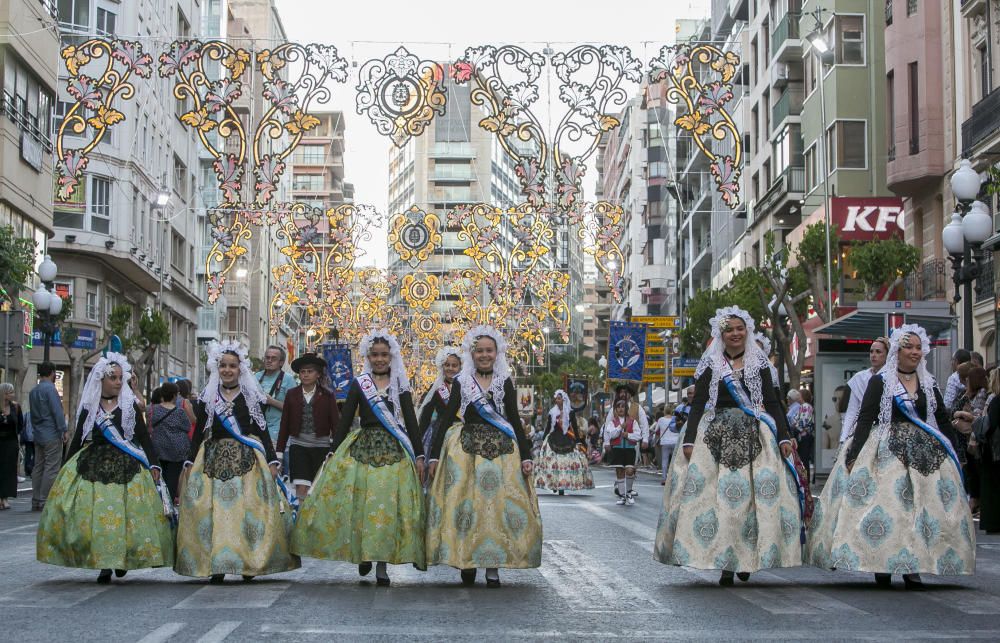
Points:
(482, 512)
(365, 505)
(114, 524)
(233, 518)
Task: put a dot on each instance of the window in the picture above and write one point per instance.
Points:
(850, 40)
(787, 149)
(177, 251)
(181, 179)
(308, 182)
(847, 145)
(984, 71)
(914, 109)
(105, 23)
(811, 72)
(93, 310)
(75, 14)
(888, 12)
(310, 154)
(812, 169)
(890, 112)
(26, 102)
(99, 204)
(911, 7)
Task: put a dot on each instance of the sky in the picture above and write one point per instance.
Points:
(441, 30)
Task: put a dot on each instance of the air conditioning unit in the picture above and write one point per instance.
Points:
(779, 74)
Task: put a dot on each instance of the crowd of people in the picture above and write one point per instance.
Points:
(258, 470)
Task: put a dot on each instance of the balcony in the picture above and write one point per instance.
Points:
(787, 190)
(452, 151)
(984, 123)
(985, 291)
(933, 278)
(452, 173)
(790, 104)
(785, 43)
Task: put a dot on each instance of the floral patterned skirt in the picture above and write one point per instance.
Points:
(734, 505)
(901, 510)
(366, 504)
(104, 525)
(562, 471)
(233, 517)
(482, 512)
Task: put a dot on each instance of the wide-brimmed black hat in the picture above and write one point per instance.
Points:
(308, 359)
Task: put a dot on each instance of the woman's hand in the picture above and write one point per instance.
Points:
(962, 421)
(687, 451)
(421, 471)
(527, 467)
(786, 449)
(275, 468)
(431, 469)
(156, 475)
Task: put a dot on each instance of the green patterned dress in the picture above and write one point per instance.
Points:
(104, 511)
(482, 511)
(366, 503)
(233, 517)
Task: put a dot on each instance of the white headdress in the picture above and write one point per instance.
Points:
(90, 401)
(249, 386)
(439, 360)
(399, 383)
(561, 415)
(754, 360)
(501, 371)
(891, 377)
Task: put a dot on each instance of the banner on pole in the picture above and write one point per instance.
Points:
(578, 390)
(339, 367)
(626, 351)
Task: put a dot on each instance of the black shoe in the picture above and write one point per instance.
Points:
(217, 579)
(883, 580)
(913, 583)
(743, 576)
(726, 580)
(562, 493)
(469, 576)
(493, 582)
(247, 578)
(120, 573)
(382, 581)
(365, 568)
(104, 577)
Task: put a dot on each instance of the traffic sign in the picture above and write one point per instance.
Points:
(655, 364)
(683, 367)
(658, 322)
(655, 350)
(653, 379)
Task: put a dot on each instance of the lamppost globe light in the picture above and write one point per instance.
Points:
(47, 269)
(55, 304)
(40, 298)
(977, 224)
(965, 182)
(953, 236)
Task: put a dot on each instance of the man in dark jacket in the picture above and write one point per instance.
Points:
(308, 419)
(48, 423)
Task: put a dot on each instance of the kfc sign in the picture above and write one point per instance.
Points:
(865, 219)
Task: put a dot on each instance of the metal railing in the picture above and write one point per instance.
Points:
(790, 104)
(985, 282)
(934, 279)
(787, 29)
(984, 122)
(26, 122)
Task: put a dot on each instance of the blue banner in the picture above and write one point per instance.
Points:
(339, 367)
(626, 351)
(86, 339)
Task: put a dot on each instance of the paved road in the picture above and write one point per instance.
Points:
(597, 581)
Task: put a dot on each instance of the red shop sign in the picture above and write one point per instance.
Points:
(868, 218)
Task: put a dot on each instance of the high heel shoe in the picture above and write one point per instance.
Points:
(365, 568)
(216, 579)
(247, 578)
(913, 583)
(120, 573)
(383, 581)
(884, 581)
(104, 577)
(469, 576)
(743, 576)
(726, 580)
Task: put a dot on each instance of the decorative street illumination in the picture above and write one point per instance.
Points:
(41, 298)
(965, 182)
(977, 225)
(47, 270)
(162, 197)
(952, 235)
(971, 224)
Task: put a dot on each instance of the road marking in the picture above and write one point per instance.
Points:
(220, 632)
(619, 518)
(53, 594)
(968, 601)
(162, 633)
(584, 583)
(258, 595)
(16, 530)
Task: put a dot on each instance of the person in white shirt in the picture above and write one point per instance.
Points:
(859, 382)
(671, 430)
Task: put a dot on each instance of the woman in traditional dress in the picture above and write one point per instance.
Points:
(449, 364)
(482, 508)
(903, 509)
(733, 502)
(234, 514)
(105, 511)
(562, 465)
(367, 501)
(621, 435)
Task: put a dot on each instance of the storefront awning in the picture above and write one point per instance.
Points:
(863, 324)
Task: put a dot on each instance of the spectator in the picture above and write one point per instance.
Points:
(977, 359)
(668, 434)
(793, 400)
(955, 388)
(28, 444)
(11, 425)
(184, 398)
(170, 428)
(48, 423)
(276, 383)
(804, 429)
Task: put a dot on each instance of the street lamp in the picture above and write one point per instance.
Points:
(963, 237)
(48, 305)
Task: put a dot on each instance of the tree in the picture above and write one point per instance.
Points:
(17, 262)
(883, 264)
(547, 382)
(811, 257)
(699, 311)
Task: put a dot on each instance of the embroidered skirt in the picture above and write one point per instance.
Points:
(233, 517)
(560, 469)
(901, 510)
(366, 504)
(104, 512)
(734, 505)
(482, 512)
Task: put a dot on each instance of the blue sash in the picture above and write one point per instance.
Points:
(490, 414)
(738, 394)
(385, 417)
(232, 427)
(909, 409)
(111, 434)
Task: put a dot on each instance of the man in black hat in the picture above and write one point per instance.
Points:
(308, 419)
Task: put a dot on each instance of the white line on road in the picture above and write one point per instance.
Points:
(162, 633)
(231, 596)
(619, 518)
(969, 601)
(219, 633)
(52, 595)
(16, 530)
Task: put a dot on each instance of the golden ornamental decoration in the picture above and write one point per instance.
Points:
(420, 290)
(414, 235)
(599, 227)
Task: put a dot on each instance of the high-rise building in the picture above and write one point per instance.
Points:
(29, 53)
(113, 244)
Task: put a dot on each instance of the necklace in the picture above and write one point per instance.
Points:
(733, 358)
(484, 373)
(231, 388)
(108, 397)
(906, 375)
